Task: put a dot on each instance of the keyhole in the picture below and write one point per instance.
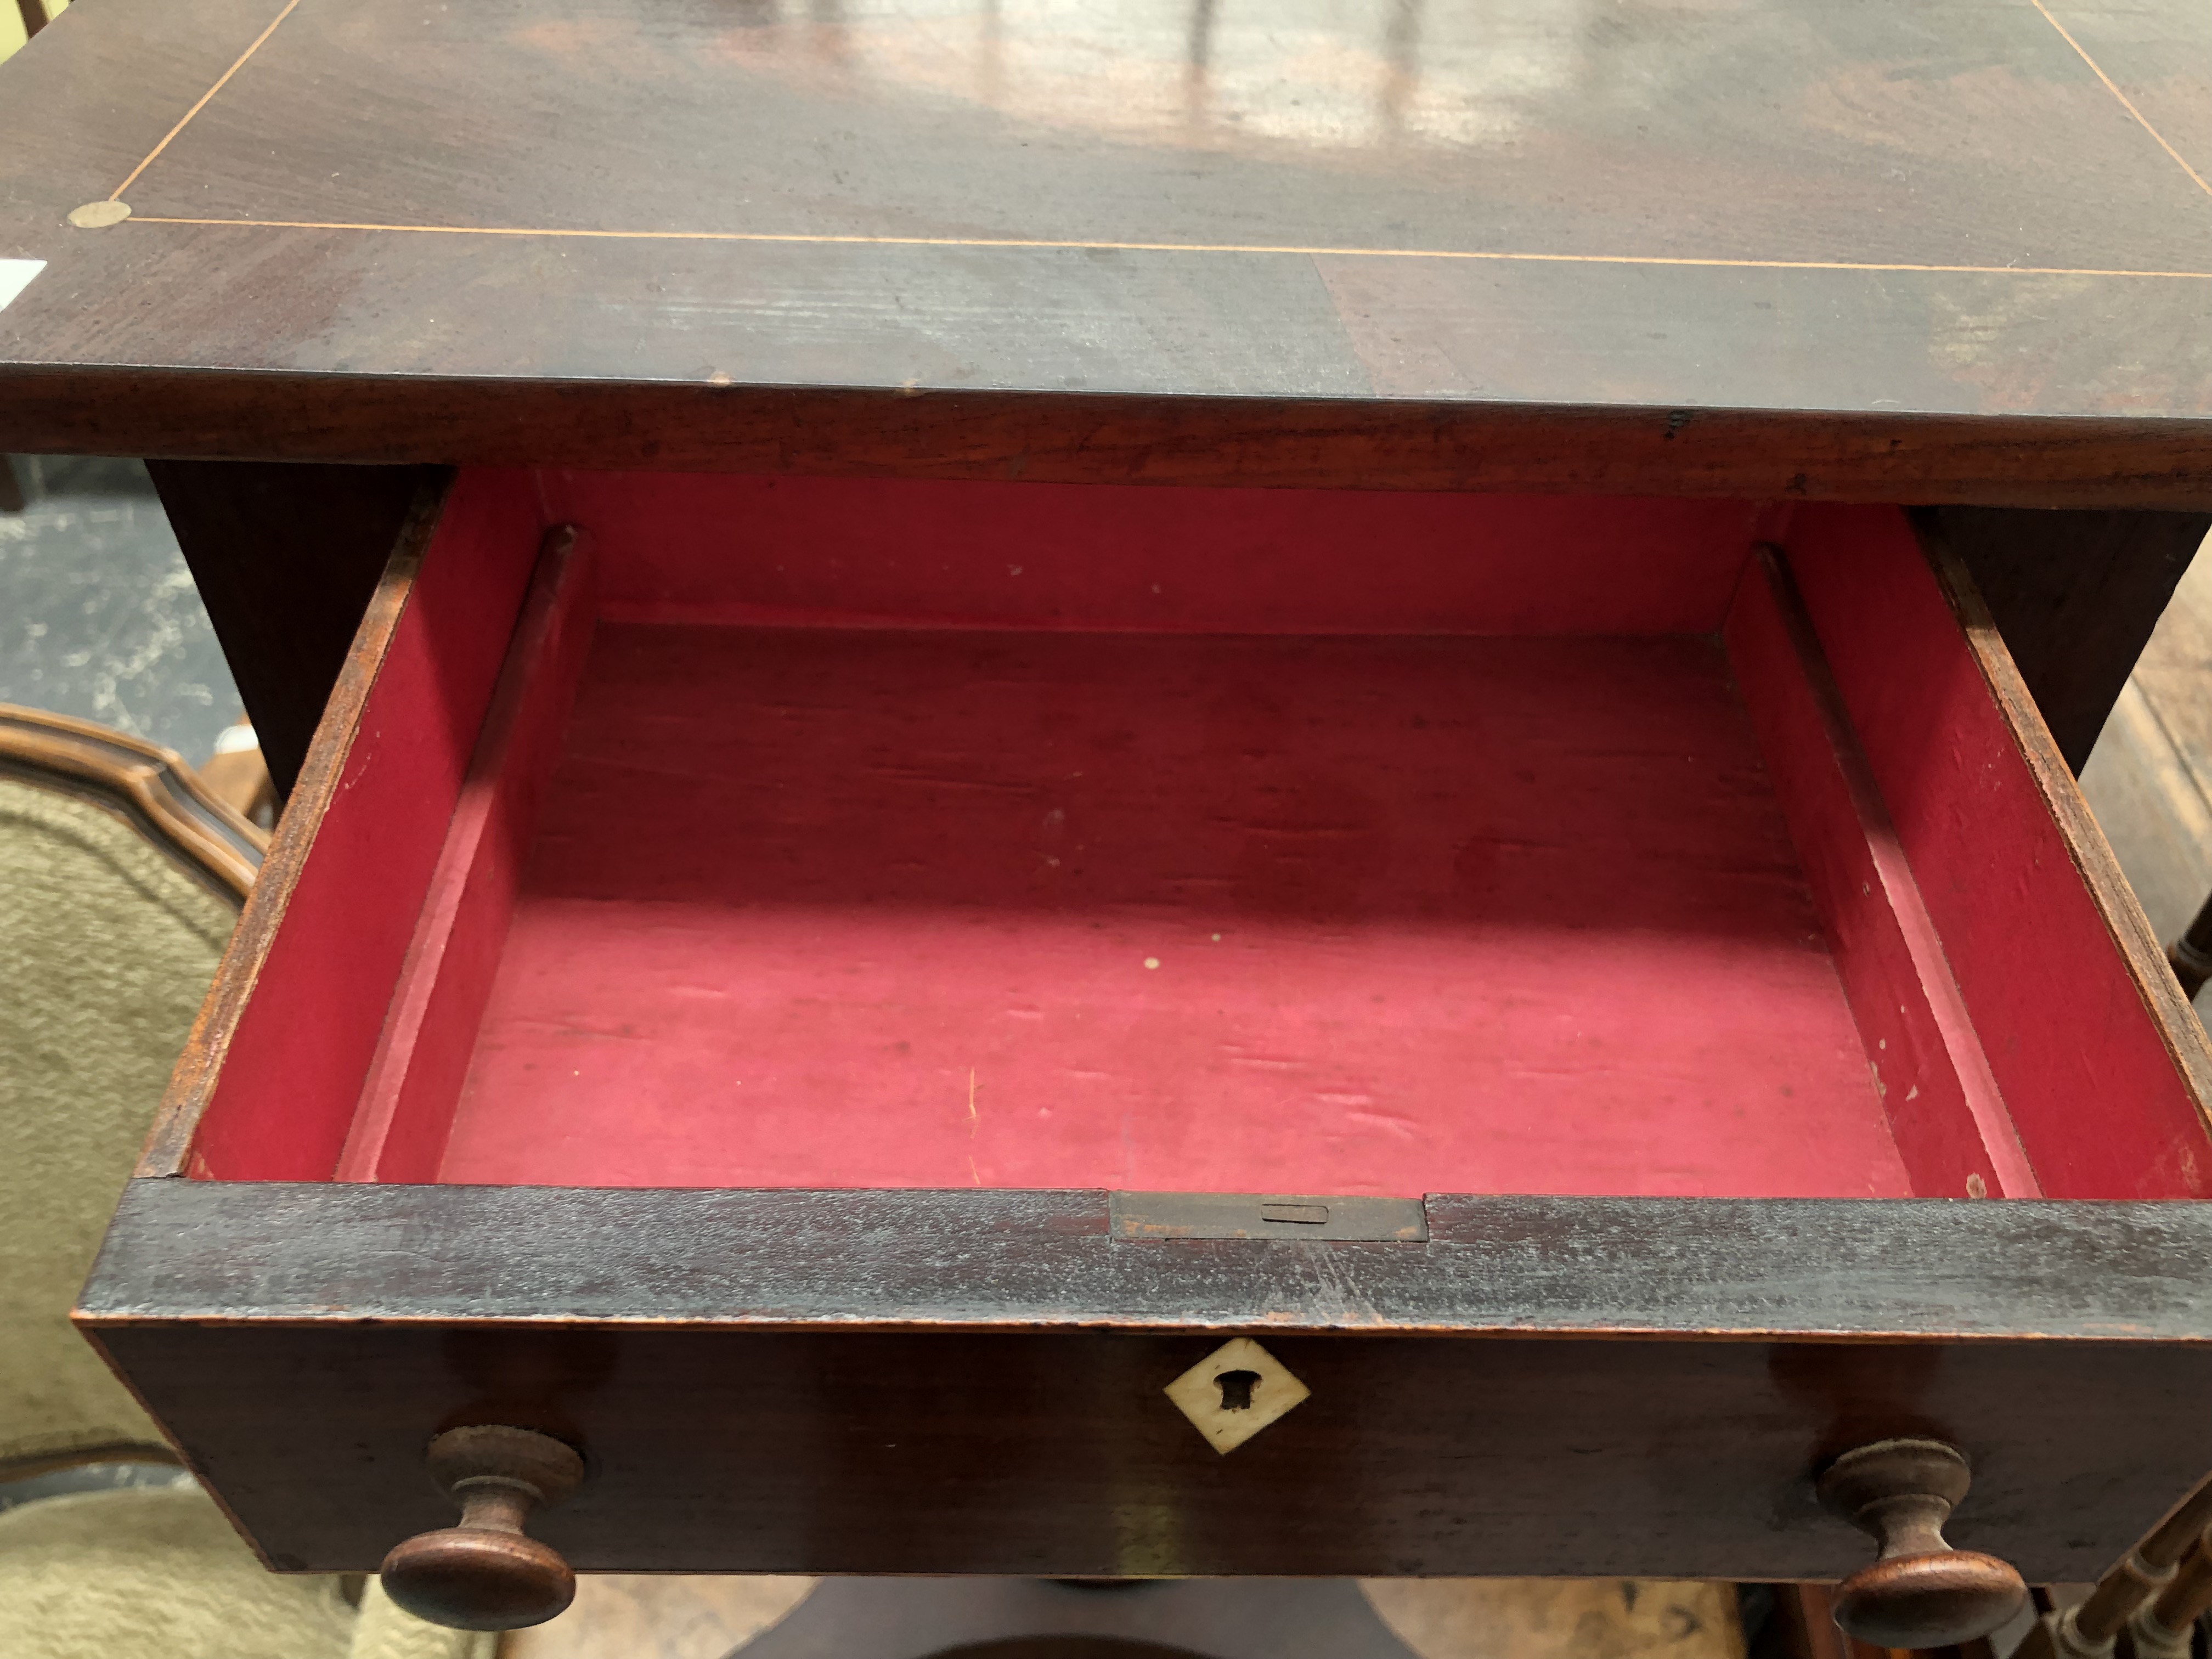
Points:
(1236, 1389)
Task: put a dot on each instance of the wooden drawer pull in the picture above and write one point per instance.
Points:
(485, 1574)
(1920, 1592)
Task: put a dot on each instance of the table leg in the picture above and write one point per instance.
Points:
(2075, 593)
(285, 555)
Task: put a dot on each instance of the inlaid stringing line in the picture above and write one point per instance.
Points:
(116, 195)
(1178, 247)
(2095, 69)
(2126, 103)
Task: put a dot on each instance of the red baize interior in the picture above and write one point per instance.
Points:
(822, 833)
(1395, 915)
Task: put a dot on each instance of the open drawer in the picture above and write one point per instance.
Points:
(830, 997)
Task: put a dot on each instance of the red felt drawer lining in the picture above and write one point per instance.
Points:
(824, 834)
(811, 908)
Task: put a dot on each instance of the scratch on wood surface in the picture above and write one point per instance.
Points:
(1334, 1282)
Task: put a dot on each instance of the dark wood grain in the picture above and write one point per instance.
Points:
(938, 1381)
(1112, 438)
(2075, 595)
(984, 1258)
(1931, 257)
(285, 559)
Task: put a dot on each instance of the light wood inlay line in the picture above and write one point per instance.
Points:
(2065, 34)
(2126, 103)
(116, 195)
(1177, 247)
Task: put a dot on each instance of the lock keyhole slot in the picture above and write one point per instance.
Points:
(1236, 1389)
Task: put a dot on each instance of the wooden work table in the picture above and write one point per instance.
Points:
(1778, 254)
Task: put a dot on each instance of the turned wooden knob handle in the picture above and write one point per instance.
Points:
(1920, 1592)
(485, 1573)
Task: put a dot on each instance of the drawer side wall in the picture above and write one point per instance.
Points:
(1922, 1052)
(2103, 1067)
(406, 1110)
(269, 1089)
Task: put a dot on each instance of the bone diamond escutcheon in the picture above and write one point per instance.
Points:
(1235, 1392)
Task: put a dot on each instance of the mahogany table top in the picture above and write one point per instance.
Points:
(1898, 249)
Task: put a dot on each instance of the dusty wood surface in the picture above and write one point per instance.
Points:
(982, 1259)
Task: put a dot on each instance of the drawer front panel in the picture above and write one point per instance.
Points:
(927, 1382)
(1059, 1454)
